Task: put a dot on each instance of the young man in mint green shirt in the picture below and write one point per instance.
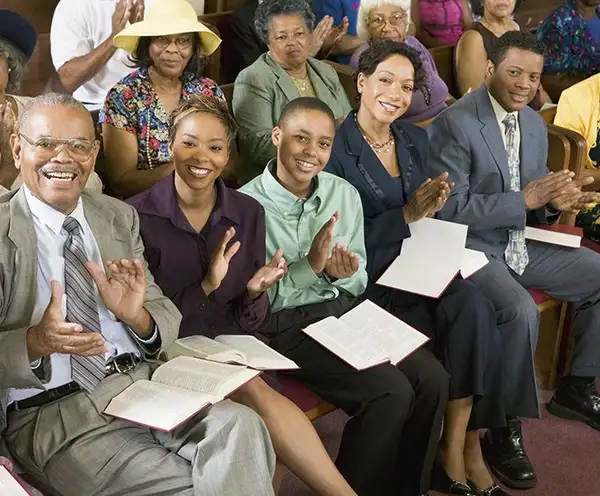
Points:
(390, 441)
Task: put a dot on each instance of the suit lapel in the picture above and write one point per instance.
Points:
(526, 153)
(101, 222)
(491, 134)
(322, 91)
(22, 235)
(284, 81)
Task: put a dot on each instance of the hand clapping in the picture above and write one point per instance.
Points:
(267, 275)
(342, 263)
(219, 262)
(428, 199)
(53, 335)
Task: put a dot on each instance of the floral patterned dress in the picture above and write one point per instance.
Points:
(570, 45)
(133, 105)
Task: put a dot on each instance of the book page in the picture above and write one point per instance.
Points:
(157, 405)
(429, 260)
(9, 486)
(353, 344)
(258, 354)
(217, 379)
(391, 336)
(472, 262)
(552, 237)
(206, 348)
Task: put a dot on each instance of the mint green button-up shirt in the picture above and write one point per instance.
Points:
(292, 223)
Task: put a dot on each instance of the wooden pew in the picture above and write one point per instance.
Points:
(444, 62)
(548, 114)
(533, 12)
(41, 73)
(222, 22)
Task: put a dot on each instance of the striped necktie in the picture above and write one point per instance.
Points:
(515, 255)
(82, 309)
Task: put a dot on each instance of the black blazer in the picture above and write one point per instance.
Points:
(382, 195)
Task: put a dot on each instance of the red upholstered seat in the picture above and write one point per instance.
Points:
(539, 296)
(301, 395)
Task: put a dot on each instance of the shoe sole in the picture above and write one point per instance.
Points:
(568, 414)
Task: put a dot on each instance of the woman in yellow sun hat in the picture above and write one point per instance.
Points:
(168, 48)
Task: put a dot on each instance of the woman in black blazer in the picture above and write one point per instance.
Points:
(385, 159)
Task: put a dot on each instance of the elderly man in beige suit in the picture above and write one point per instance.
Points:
(80, 320)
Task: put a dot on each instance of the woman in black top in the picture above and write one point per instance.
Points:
(385, 159)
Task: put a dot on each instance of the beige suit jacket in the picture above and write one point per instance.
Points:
(116, 228)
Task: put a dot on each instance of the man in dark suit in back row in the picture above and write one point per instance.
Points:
(495, 150)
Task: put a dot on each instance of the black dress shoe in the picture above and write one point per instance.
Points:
(493, 490)
(441, 482)
(505, 453)
(577, 399)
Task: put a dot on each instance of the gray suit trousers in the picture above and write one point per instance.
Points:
(71, 446)
(564, 273)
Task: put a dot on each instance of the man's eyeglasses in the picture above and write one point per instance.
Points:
(48, 147)
(395, 19)
(181, 42)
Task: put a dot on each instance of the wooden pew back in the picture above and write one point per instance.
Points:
(444, 62)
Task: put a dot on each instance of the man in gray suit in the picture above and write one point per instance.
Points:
(495, 149)
(73, 335)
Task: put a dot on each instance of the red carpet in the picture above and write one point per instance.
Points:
(566, 455)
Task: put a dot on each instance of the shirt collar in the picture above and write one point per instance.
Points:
(161, 201)
(51, 217)
(284, 199)
(499, 110)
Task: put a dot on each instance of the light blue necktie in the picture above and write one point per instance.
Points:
(516, 251)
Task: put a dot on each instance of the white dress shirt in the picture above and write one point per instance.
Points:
(78, 27)
(51, 238)
(501, 114)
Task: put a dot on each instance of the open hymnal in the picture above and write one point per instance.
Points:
(177, 391)
(240, 349)
(552, 237)
(429, 260)
(9, 486)
(367, 336)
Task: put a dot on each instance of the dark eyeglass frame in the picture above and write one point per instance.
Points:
(182, 42)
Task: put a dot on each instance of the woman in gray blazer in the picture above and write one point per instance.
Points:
(285, 72)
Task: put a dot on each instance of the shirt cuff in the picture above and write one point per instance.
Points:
(151, 340)
(301, 274)
(35, 364)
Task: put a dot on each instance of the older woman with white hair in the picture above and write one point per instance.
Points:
(390, 19)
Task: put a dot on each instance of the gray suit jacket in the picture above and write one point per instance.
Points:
(465, 140)
(116, 228)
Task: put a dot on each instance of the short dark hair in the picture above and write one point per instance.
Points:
(141, 56)
(268, 9)
(478, 9)
(302, 104)
(206, 105)
(522, 40)
(380, 50)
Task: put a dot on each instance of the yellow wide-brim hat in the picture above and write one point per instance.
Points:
(167, 17)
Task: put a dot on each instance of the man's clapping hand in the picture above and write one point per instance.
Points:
(342, 263)
(53, 335)
(320, 250)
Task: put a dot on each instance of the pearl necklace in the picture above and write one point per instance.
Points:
(385, 147)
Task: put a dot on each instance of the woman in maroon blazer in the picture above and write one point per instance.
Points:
(205, 246)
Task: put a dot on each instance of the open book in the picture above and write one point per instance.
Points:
(9, 486)
(241, 349)
(429, 260)
(177, 391)
(367, 336)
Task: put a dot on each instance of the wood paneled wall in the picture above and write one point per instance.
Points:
(39, 13)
